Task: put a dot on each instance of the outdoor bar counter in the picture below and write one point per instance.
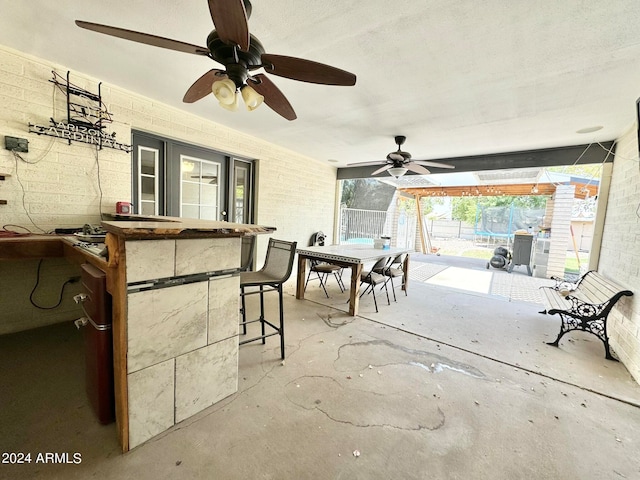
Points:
(174, 287)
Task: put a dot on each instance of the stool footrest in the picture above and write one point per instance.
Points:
(260, 337)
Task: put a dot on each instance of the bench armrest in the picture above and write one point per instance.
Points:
(563, 284)
(584, 309)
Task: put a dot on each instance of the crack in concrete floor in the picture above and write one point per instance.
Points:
(341, 403)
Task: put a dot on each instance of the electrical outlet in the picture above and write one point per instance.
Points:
(16, 144)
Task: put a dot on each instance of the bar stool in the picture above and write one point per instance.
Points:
(276, 270)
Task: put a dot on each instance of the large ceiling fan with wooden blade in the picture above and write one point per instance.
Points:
(202, 87)
(306, 70)
(145, 38)
(241, 54)
(399, 162)
(273, 97)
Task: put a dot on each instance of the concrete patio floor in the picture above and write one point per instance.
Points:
(445, 383)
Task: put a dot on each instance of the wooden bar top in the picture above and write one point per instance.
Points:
(140, 227)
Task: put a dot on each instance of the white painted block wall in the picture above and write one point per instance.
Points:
(60, 187)
(620, 252)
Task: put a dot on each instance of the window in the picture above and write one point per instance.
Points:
(181, 180)
(148, 180)
(241, 207)
(199, 190)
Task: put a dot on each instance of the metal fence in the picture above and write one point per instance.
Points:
(361, 226)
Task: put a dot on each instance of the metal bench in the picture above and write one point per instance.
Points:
(584, 305)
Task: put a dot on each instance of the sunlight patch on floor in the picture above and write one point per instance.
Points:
(463, 279)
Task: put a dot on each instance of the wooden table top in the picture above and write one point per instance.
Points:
(351, 253)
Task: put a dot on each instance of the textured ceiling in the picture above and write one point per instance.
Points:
(456, 77)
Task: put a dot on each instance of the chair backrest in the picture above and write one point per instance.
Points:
(246, 252)
(279, 261)
(317, 240)
(380, 264)
(399, 259)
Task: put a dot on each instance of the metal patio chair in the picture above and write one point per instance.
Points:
(372, 278)
(323, 269)
(394, 269)
(276, 270)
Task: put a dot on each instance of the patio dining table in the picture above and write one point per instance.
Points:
(352, 256)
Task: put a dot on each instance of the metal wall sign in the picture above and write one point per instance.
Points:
(86, 118)
(79, 133)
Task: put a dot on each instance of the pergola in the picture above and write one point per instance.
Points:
(582, 190)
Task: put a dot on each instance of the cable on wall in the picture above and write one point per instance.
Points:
(97, 155)
(17, 157)
(24, 204)
(637, 160)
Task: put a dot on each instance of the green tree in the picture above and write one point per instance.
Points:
(464, 208)
(348, 191)
(366, 193)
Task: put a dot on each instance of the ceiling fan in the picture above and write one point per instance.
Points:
(399, 162)
(231, 45)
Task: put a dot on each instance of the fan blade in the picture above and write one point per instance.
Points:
(144, 38)
(306, 70)
(273, 97)
(419, 169)
(366, 164)
(382, 169)
(202, 87)
(230, 20)
(433, 164)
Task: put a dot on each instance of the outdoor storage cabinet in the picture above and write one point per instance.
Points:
(522, 251)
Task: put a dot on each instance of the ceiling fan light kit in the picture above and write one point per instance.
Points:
(231, 106)
(398, 163)
(252, 99)
(397, 171)
(225, 92)
(241, 54)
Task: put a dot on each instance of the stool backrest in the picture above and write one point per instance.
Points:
(279, 261)
(246, 252)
